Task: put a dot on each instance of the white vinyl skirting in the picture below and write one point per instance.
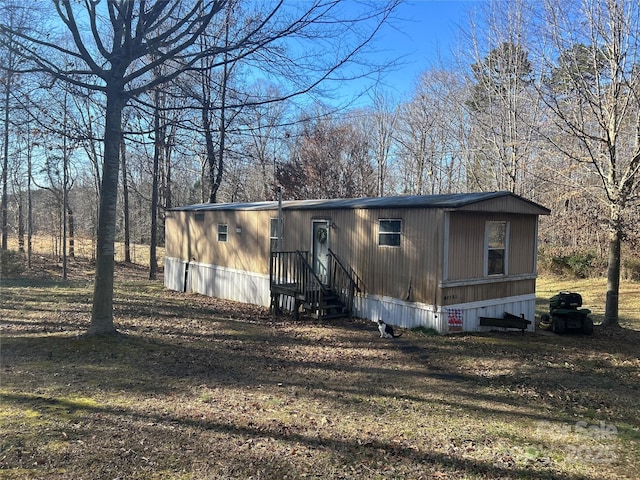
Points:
(251, 287)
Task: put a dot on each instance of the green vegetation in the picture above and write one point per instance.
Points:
(427, 332)
(196, 387)
(581, 264)
(593, 291)
(631, 269)
(11, 263)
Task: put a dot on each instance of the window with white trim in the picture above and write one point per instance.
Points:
(223, 232)
(497, 247)
(273, 234)
(389, 232)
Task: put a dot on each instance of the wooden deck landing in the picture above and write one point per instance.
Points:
(291, 275)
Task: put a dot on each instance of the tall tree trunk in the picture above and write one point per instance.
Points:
(204, 182)
(613, 270)
(216, 174)
(20, 225)
(211, 154)
(157, 152)
(71, 231)
(65, 199)
(5, 162)
(102, 313)
(217, 180)
(168, 201)
(125, 202)
(65, 189)
(164, 193)
(29, 209)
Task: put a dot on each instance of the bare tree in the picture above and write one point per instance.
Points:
(132, 31)
(24, 148)
(502, 112)
(16, 17)
(165, 119)
(591, 94)
(330, 159)
(427, 136)
(59, 182)
(125, 201)
(384, 122)
(209, 88)
(8, 80)
(124, 33)
(264, 129)
(315, 29)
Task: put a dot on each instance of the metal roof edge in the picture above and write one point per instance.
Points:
(547, 211)
(451, 201)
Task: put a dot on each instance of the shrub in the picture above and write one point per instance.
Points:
(576, 264)
(11, 263)
(581, 264)
(558, 265)
(631, 269)
(427, 332)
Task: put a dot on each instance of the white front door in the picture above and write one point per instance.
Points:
(320, 248)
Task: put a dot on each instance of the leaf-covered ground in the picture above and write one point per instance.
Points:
(202, 388)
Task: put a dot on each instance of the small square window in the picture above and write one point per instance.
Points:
(389, 232)
(199, 216)
(223, 232)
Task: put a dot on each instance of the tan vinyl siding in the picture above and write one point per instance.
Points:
(408, 272)
(522, 247)
(476, 293)
(175, 238)
(505, 205)
(467, 244)
(412, 272)
(189, 239)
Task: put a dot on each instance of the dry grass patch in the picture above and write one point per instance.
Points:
(202, 388)
(594, 292)
(50, 248)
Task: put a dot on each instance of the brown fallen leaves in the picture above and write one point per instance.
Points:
(203, 388)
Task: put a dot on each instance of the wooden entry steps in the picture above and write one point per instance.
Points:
(291, 275)
(329, 306)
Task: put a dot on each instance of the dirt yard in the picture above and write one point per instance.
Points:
(198, 388)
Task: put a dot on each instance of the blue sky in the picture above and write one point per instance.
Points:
(425, 33)
(420, 35)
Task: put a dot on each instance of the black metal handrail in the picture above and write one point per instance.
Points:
(350, 274)
(342, 280)
(293, 269)
(309, 270)
(292, 273)
(282, 269)
(313, 288)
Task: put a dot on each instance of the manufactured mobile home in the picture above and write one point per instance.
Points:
(440, 261)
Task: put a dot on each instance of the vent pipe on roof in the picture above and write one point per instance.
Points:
(279, 218)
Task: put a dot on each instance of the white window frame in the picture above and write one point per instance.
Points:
(398, 233)
(273, 233)
(223, 232)
(488, 248)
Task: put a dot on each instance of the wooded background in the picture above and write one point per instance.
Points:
(541, 99)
